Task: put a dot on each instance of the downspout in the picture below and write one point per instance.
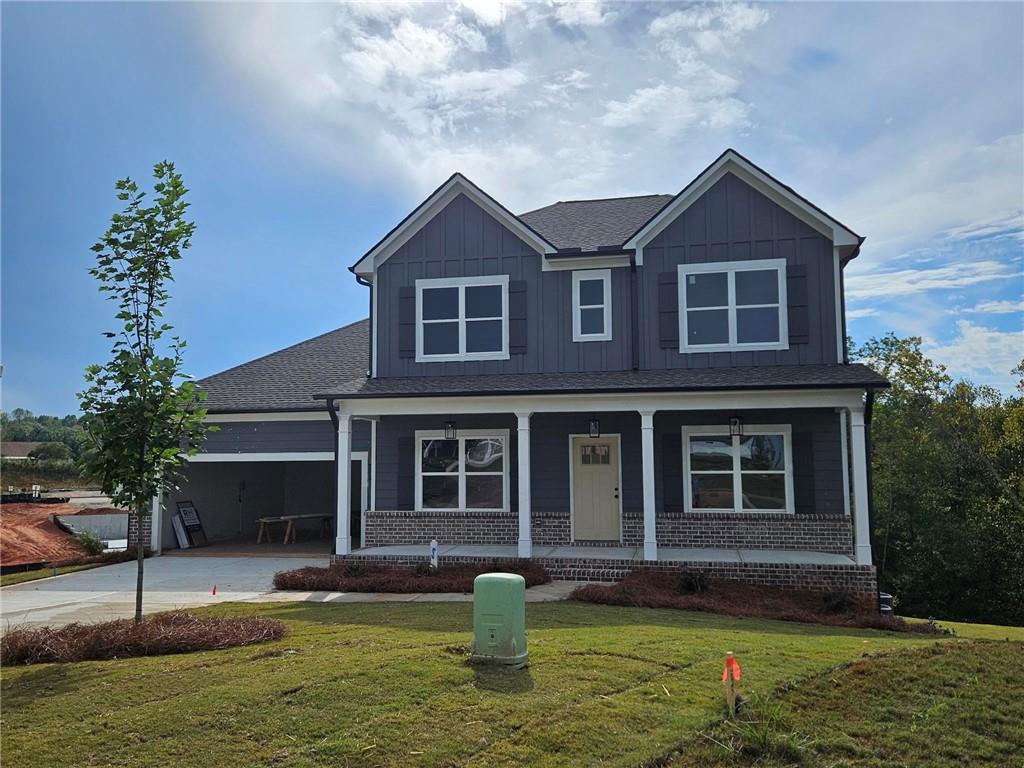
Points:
(869, 403)
(634, 314)
(369, 360)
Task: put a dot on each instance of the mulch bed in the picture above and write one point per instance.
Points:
(162, 634)
(355, 577)
(687, 590)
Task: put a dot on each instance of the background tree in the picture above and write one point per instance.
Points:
(142, 414)
(948, 470)
(57, 451)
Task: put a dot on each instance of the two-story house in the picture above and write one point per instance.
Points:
(598, 384)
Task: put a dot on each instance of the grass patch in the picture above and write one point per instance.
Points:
(685, 590)
(164, 633)
(388, 684)
(353, 576)
(945, 704)
(19, 577)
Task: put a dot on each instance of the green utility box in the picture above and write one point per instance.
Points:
(499, 619)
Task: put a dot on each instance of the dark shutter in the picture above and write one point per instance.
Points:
(405, 477)
(407, 322)
(668, 310)
(799, 311)
(803, 472)
(672, 484)
(517, 317)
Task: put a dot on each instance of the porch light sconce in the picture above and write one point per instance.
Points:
(735, 427)
(449, 430)
(595, 426)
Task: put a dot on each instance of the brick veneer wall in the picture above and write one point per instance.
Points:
(860, 580)
(752, 530)
(819, 533)
(134, 527)
(448, 527)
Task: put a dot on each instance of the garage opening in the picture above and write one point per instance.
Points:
(234, 499)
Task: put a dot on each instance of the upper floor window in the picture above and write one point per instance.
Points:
(462, 318)
(592, 305)
(733, 305)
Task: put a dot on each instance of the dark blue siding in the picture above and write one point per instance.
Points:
(282, 436)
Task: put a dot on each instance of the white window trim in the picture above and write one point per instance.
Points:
(604, 275)
(731, 268)
(461, 283)
(785, 430)
(461, 435)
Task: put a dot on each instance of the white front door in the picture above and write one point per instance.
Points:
(595, 488)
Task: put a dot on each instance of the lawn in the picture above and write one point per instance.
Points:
(388, 684)
(20, 577)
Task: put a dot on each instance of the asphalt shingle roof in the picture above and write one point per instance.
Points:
(589, 224)
(829, 376)
(287, 379)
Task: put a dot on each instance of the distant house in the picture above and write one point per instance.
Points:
(17, 450)
(597, 384)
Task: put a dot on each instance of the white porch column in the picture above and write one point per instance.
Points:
(647, 452)
(343, 542)
(523, 445)
(156, 522)
(861, 523)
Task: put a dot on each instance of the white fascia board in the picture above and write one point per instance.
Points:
(596, 261)
(288, 456)
(730, 162)
(608, 402)
(433, 205)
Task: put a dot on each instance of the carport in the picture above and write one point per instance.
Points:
(237, 481)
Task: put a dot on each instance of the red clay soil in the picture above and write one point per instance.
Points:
(27, 536)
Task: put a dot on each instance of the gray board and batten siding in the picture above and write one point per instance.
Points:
(729, 222)
(315, 436)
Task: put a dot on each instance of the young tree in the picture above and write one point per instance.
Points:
(142, 414)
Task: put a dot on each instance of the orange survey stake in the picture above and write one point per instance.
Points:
(731, 663)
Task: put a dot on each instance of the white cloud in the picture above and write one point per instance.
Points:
(984, 355)
(574, 13)
(886, 283)
(853, 314)
(990, 307)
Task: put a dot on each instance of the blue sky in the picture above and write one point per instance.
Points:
(307, 131)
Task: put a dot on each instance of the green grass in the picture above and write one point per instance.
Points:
(388, 684)
(21, 577)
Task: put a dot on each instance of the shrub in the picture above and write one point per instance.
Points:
(839, 601)
(691, 582)
(660, 589)
(90, 542)
(162, 634)
(351, 577)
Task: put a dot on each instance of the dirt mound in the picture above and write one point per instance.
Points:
(28, 536)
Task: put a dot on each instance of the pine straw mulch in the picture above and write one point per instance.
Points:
(690, 591)
(352, 576)
(161, 634)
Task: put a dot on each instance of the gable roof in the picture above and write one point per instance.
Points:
(731, 161)
(455, 185)
(286, 380)
(591, 224)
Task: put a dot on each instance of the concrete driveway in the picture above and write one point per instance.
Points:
(173, 582)
(170, 582)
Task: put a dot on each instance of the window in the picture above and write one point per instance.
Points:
(469, 472)
(592, 305)
(752, 472)
(462, 318)
(595, 454)
(735, 305)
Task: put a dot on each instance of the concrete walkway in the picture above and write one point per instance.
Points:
(108, 592)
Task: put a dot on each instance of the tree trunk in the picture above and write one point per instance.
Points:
(140, 550)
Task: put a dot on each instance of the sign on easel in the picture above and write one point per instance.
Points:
(193, 526)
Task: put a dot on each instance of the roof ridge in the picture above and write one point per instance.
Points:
(597, 200)
(284, 349)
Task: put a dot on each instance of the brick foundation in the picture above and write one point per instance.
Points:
(134, 527)
(859, 580)
(816, 533)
